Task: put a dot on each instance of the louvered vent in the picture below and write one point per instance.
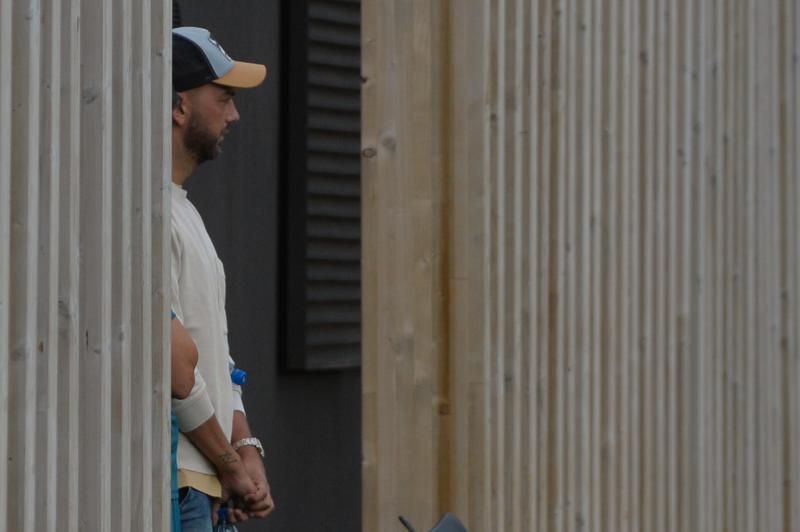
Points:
(331, 280)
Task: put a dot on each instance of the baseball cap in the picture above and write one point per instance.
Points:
(198, 59)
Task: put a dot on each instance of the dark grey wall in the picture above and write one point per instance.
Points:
(309, 423)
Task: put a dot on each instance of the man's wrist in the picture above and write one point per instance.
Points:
(228, 461)
(247, 445)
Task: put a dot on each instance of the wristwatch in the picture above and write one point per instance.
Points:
(251, 442)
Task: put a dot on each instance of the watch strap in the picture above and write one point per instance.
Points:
(249, 442)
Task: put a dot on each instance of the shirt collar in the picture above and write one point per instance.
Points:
(178, 190)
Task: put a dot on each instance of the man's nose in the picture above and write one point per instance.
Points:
(234, 114)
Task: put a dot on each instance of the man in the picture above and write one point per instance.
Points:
(217, 456)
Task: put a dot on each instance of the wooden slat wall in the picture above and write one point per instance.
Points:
(581, 264)
(84, 162)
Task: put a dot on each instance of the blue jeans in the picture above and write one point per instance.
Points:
(195, 511)
(176, 510)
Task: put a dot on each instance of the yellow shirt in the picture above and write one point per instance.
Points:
(208, 484)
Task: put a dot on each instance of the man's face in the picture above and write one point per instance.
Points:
(211, 114)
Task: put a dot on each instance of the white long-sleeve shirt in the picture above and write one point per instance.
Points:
(198, 299)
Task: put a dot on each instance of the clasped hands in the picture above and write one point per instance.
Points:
(245, 489)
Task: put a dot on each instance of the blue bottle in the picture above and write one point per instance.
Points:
(223, 525)
(238, 376)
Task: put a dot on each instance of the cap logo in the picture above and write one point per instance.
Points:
(217, 45)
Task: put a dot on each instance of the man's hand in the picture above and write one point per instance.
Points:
(260, 503)
(233, 473)
(234, 477)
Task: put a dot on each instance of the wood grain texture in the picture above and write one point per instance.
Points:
(71, 146)
(5, 244)
(621, 253)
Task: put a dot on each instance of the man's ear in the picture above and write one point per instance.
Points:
(179, 108)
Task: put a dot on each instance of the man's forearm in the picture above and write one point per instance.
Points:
(231, 469)
(241, 429)
(211, 441)
(262, 505)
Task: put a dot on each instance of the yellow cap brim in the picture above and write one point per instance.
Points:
(243, 75)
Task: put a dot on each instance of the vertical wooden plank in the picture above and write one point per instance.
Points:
(466, 264)
(533, 356)
(568, 397)
(96, 297)
(791, 66)
(409, 144)
(24, 348)
(671, 261)
(686, 366)
(598, 210)
(610, 242)
(489, 287)
(370, 410)
(732, 330)
(697, 184)
(428, 212)
(5, 244)
(663, 180)
(545, 440)
(625, 156)
(647, 220)
(160, 175)
(715, 97)
(634, 231)
(558, 271)
(142, 421)
(557, 481)
(752, 371)
(141, 270)
(121, 332)
(487, 502)
(767, 244)
(519, 279)
(69, 271)
(48, 257)
(524, 450)
(499, 242)
(395, 375)
(783, 192)
(586, 174)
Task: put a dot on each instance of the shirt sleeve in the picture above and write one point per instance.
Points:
(195, 409)
(238, 404)
(175, 274)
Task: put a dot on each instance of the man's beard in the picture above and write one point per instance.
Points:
(200, 142)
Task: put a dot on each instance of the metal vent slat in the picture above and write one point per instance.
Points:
(329, 99)
(318, 270)
(326, 33)
(333, 335)
(332, 77)
(331, 228)
(333, 313)
(333, 142)
(334, 292)
(334, 207)
(346, 13)
(334, 250)
(331, 164)
(331, 121)
(322, 184)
